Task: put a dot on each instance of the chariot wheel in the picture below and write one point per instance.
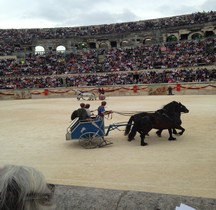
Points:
(90, 140)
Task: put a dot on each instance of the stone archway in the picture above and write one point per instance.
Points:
(103, 45)
(61, 49)
(172, 38)
(39, 50)
(196, 36)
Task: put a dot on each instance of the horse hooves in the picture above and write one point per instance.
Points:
(180, 133)
(131, 139)
(144, 144)
(172, 139)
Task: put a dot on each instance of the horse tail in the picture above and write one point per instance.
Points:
(128, 126)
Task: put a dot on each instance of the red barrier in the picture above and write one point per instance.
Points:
(46, 92)
(178, 87)
(134, 88)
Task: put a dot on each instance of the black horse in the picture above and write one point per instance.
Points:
(166, 118)
(159, 131)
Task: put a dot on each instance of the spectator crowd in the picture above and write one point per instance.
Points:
(13, 40)
(157, 63)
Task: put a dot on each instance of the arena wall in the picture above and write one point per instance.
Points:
(115, 90)
(75, 197)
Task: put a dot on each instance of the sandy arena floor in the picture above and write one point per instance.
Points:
(33, 133)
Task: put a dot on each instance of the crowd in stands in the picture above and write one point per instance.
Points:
(15, 40)
(144, 77)
(118, 65)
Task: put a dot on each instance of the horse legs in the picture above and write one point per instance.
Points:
(174, 131)
(78, 97)
(142, 136)
(171, 138)
(158, 132)
(180, 128)
(143, 133)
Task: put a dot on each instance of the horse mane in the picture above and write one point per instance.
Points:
(23, 187)
(170, 107)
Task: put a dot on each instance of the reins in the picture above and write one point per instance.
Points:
(129, 113)
(108, 116)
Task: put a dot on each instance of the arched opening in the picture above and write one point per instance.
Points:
(113, 44)
(61, 49)
(147, 41)
(125, 43)
(92, 45)
(184, 37)
(209, 34)
(82, 45)
(39, 50)
(172, 38)
(196, 36)
(103, 45)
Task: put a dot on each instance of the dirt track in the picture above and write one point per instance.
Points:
(33, 133)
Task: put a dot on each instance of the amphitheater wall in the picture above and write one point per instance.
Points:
(115, 90)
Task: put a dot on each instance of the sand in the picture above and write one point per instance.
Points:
(33, 134)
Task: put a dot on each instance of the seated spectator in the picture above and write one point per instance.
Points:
(81, 113)
(24, 188)
(89, 112)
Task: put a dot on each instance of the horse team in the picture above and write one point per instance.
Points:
(169, 117)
